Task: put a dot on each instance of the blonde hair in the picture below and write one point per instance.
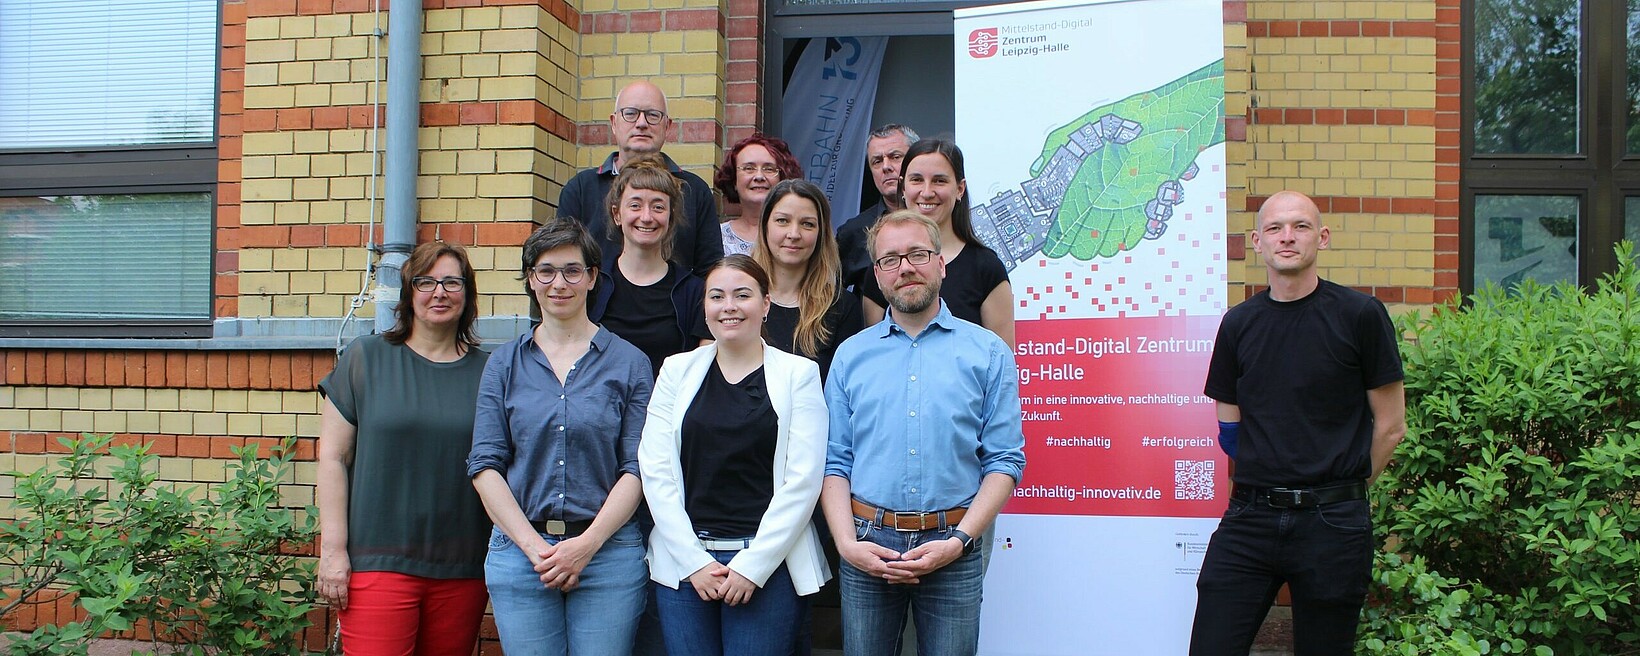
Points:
(818, 288)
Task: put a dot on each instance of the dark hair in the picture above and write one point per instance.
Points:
(892, 129)
(744, 264)
(961, 223)
(648, 172)
(724, 180)
(818, 288)
(557, 233)
(422, 260)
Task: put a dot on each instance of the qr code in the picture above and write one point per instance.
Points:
(1193, 480)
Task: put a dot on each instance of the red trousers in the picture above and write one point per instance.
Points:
(392, 614)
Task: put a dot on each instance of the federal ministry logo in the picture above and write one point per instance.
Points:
(982, 43)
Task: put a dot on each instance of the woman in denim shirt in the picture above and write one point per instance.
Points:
(560, 412)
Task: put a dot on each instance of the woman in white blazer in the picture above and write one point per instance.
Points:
(732, 457)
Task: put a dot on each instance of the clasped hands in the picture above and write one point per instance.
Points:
(896, 568)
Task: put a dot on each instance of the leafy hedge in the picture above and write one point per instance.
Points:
(1520, 475)
(209, 570)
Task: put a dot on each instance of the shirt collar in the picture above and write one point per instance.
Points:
(608, 167)
(942, 320)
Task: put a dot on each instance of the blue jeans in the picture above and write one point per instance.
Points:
(596, 618)
(1323, 554)
(944, 606)
(765, 626)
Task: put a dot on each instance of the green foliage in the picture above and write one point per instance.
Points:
(212, 574)
(1520, 472)
(1413, 612)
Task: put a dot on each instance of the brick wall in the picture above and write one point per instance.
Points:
(1355, 103)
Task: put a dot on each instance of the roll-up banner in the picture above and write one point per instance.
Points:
(826, 114)
(1093, 134)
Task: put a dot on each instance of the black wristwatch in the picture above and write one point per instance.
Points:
(967, 540)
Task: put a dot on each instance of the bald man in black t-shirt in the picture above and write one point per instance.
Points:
(1308, 383)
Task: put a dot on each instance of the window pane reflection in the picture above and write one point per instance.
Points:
(1526, 76)
(1525, 237)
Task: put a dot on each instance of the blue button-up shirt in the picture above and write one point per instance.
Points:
(916, 423)
(561, 447)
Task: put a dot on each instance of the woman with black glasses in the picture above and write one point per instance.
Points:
(401, 532)
(555, 459)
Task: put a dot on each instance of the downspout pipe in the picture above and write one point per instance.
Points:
(402, 159)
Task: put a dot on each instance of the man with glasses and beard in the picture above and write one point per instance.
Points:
(926, 446)
(639, 125)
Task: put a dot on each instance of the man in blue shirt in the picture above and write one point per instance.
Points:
(926, 446)
(639, 125)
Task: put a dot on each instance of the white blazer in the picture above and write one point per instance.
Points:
(786, 531)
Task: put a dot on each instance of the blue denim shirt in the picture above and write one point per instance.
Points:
(561, 447)
(917, 423)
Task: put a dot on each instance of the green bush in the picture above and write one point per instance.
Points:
(1520, 472)
(213, 574)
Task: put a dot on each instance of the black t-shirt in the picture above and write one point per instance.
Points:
(851, 249)
(1300, 371)
(968, 280)
(842, 320)
(727, 455)
(644, 316)
(411, 508)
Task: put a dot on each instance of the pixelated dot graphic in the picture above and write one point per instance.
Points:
(1181, 274)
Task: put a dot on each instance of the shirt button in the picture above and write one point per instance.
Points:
(560, 428)
(560, 397)
(913, 491)
(913, 345)
(913, 413)
(560, 463)
(913, 379)
(561, 494)
(913, 452)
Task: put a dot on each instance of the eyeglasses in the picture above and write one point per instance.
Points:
(453, 284)
(917, 257)
(768, 170)
(546, 273)
(631, 114)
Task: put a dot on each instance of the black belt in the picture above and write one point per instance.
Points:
(1300, 497)
(560, 528)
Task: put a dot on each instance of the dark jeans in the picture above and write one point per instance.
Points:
(1323, 554)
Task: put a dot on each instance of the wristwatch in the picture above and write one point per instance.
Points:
(967, 540)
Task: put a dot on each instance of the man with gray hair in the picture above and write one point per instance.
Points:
(885, 152)
(639, 125)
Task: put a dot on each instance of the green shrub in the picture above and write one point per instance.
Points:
(1520, 473)
(1413, 612)
(213, 574)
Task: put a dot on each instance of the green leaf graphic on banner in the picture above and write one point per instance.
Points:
(1103, 211)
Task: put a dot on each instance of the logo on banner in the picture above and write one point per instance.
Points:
(982, 43)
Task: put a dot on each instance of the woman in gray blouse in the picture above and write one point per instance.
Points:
(401, 542)
(554, 458)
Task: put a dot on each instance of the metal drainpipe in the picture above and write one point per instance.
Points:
(402, 159)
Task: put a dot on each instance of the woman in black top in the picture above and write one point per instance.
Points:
(732, 456)
(397, 517)
(643, 296)
(976, 282)
(811, 313)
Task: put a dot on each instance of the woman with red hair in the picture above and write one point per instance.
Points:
(750, 169)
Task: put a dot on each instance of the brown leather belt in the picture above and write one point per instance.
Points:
(560, 528)
(908, 521)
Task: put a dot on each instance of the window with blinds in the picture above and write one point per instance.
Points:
(108, 167)
(125, 256)
(76, 74)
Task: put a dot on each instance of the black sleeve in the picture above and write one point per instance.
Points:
(851, 249)
(1224, 369)
(1380, 348)
(569, 199)
(703, 219)
(846, 318)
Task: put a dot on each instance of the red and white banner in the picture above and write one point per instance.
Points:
(1093, 134)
